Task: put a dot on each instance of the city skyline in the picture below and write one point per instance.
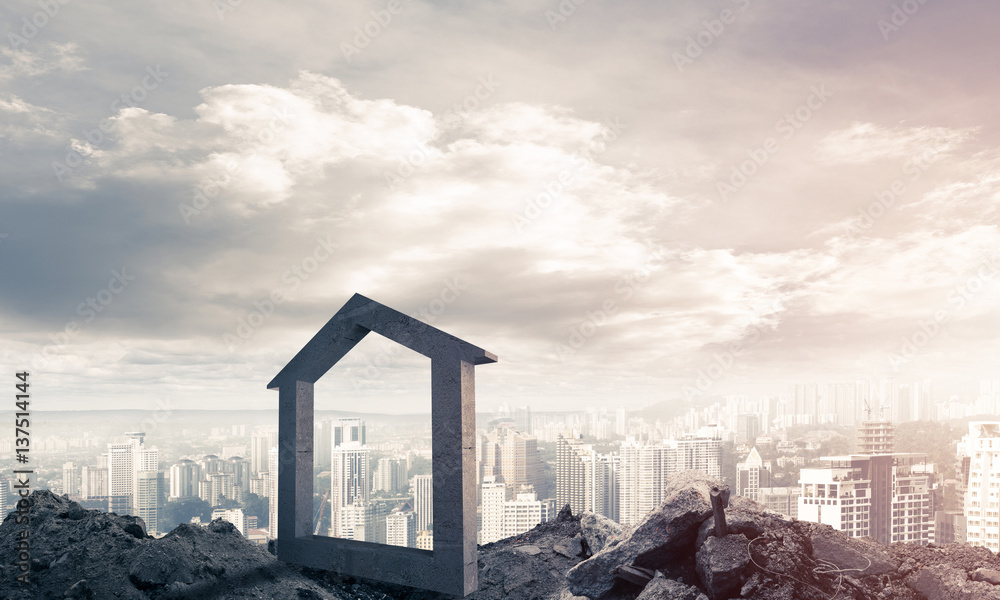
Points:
(626, 203)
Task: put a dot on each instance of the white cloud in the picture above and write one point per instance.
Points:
(867, 142)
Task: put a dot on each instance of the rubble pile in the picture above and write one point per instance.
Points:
(79, 553)
(673, 554)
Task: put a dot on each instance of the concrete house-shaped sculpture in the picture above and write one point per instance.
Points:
(452, 567)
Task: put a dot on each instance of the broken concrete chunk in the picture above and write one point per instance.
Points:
(665, 534)
(662, 587)
(599, 531)
(722, 565)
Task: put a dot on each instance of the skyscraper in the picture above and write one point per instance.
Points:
(184, 477)
(494, 495)
(522, 419)
(390, 474)
(884, 496)
(423, 501)
(981, 452)
(258, 454)
(645, 470)
(752, 475)
(512, 457)
(585, 479)
(348, 479)
(93, 482)
(272, 484)
(71, 480)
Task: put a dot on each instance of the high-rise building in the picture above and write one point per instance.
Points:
(646, 467)
(240, 469)
(525, 511)
(258, 454)
(747, 428)
(752, 475)
(950, 526)
(512, 457)
(585, 479)
(346, 431)
(93, 482)
(390, 474)
(784, 500)
(522, 419)
(221, 487)
(272, 481)
(423, 501)
(494, 496)
(71, 480)
(401, 529)
(876, 437)
(883, 496)
(148, 488)
(348, 479)
(120, 475)
(980, 449)
(184, 478)
(357, 522)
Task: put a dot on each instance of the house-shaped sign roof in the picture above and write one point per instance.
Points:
(350, 325)
(452, 566)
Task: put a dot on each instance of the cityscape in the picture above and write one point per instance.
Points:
(876, 458)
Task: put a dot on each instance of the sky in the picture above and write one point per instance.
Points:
(625, 202)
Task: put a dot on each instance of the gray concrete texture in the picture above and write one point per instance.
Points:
(451, 567)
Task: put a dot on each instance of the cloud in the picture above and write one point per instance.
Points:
(15, 64)
(866, 142)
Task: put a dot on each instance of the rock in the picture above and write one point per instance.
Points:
(862, 557)
(721, 564)
(529, 549)
(944, 582)
(659, 539)
(570, 548)
(565, 514)
(663, 588)
(599, 531)
(991, 576)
